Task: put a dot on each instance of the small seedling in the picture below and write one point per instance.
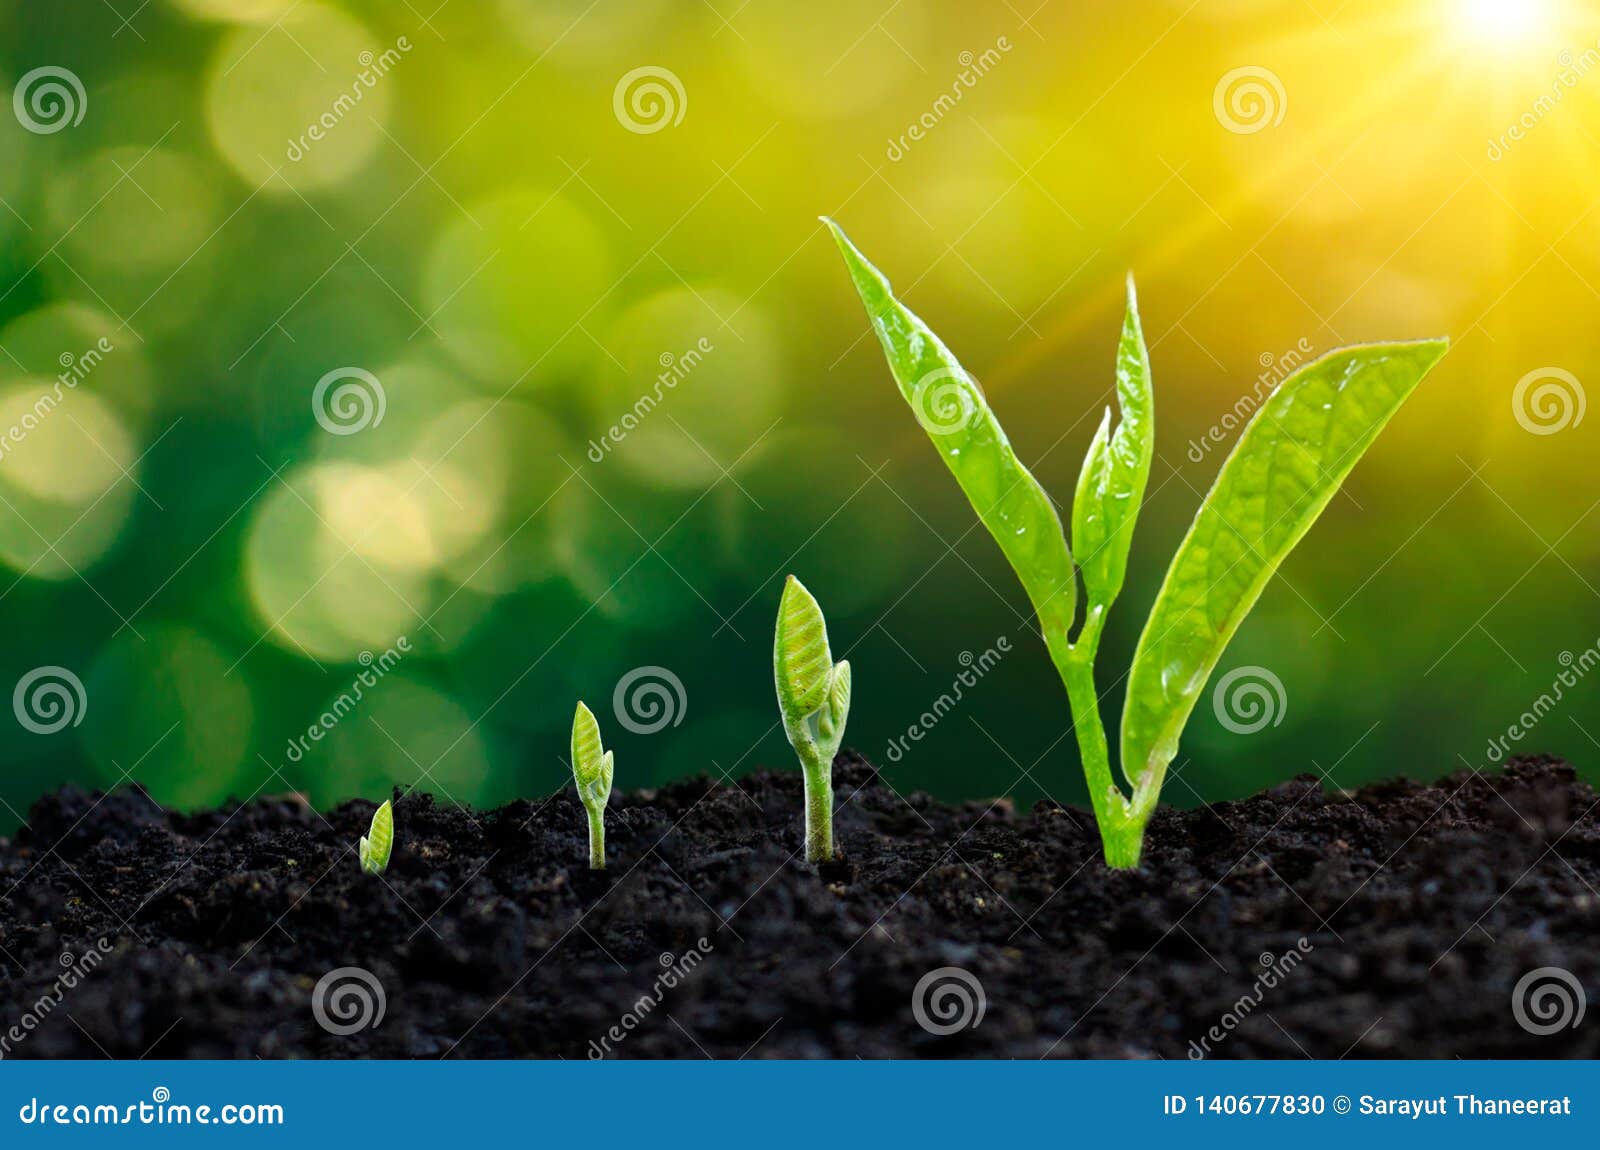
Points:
(591, 770)
(1286, 466)
(814, 699)
(378, 841)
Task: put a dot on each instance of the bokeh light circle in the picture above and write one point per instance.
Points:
(86, 345)
(67, 477)
(696, 389)
(518, 454)
(133, 211)
(505, 289)
(337, 557)
(405, 732)
(295, 99)
(169, 705)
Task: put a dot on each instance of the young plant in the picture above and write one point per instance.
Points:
(814, 699)
(591, 770)
(373, 851)
(1286, 466)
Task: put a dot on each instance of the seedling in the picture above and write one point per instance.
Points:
(376, 844)
(1286, 466)
(591, 770)
(814, 699)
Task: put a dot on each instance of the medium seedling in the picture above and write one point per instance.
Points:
(814, 699)
(373, 851)
(591, 770)
(1286, 466)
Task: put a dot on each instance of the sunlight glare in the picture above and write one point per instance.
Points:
(1501, 21)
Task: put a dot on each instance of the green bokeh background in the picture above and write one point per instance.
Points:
(485, 235)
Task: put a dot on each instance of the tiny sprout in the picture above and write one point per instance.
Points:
(591, 770)
(378, 841)
(814, 699)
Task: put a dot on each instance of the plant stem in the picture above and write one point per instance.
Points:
(1121, 825)
(597, 838)
(1123, 843)
(819, 807)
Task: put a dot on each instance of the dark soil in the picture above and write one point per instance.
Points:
(1421, 907)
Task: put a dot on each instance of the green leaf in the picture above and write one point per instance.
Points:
(1287, 465)
(373, 851)
(591, 764)
(1116, 469)
(830, 723)
(952, 409)
(801, 661)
